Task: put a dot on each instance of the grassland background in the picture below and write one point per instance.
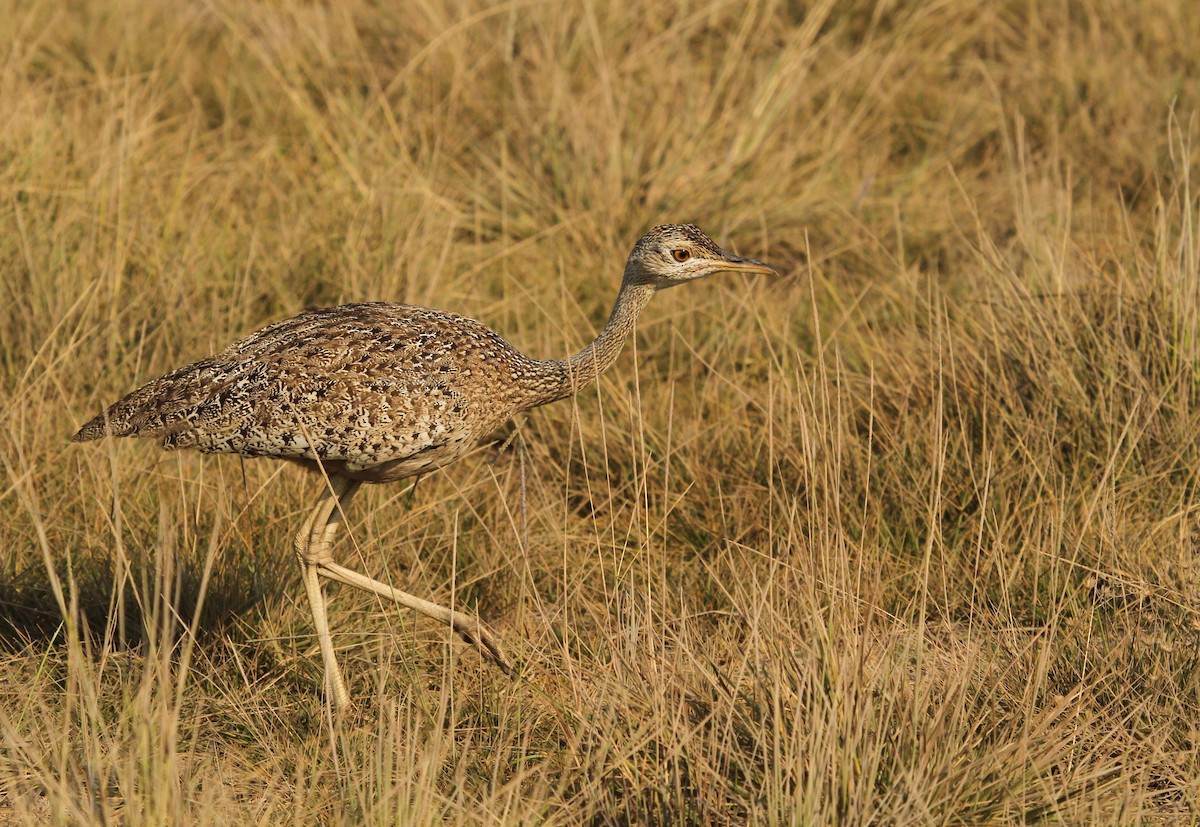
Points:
(907, 536)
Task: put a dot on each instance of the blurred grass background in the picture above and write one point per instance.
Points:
(907, 536)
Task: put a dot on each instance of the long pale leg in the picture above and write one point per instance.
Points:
(314, 533)
(313, 544)
(468, 628)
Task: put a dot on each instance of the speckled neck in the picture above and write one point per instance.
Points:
(584, 367)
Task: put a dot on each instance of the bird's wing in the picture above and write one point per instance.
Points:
(356, 383)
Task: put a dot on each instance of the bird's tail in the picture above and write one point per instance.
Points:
(133, 415)
(157, 409)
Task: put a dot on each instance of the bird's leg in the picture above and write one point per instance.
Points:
(345, 492)
(311, 545)
(467, 627)
(316, 560)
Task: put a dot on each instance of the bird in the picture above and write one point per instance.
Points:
(379, 392)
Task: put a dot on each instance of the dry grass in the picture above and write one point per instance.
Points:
(906, 537)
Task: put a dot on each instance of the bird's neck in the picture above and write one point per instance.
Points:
(582, 369)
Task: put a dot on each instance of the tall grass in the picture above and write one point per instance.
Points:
(907, 536)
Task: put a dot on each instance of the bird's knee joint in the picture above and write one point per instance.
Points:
(310, 553)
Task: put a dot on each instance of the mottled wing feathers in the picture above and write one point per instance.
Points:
(359, 385)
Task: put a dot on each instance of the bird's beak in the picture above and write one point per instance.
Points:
(737, 264)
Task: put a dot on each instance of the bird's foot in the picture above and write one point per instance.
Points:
(475, 633)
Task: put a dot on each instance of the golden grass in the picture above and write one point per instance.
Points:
(905, 537)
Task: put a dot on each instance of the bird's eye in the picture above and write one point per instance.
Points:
(680, 255)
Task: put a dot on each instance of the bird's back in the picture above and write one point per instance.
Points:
(371, 391)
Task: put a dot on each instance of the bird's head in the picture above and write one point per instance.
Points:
(672, 254)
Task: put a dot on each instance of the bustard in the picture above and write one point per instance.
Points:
(379, 392)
